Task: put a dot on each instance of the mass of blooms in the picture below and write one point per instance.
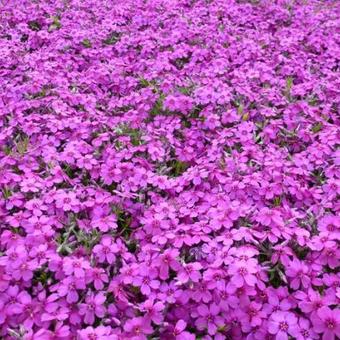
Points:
(169, 169)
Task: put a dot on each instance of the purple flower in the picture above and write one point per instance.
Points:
(92, 307)
(100, 332)
(54, 311)
(208, 318)
(282, 324)
(67, 201)
(167, 261)
(327, 322)
(191, 272)
(146, 280)
(138, 328)
(75, 266)
(299, 272)
(242, 272)
(153, 311)
(106, 250)
(179, 333)
(68, 287)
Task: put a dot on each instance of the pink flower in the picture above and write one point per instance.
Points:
(208, 318)
(106, 250)
(98, 277)
(54, 311)
(270, 217)
(166, 261)
(255, 314)
(100, 333)
(75, 266)
(179, 333)
(312, 301)
(327, 322)
(138, 327)
(305, 331)
(242, 272)
(191, 272)
(67, 201)
(146, 280)
(68, 287)
(105, 223)
(36, 206)
(94, 306)
(153, 311)
(299, 273)
(282, 324)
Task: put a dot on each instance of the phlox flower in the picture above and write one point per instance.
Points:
(93, 306)
(327, 322)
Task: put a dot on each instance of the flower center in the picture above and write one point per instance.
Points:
(305, 333)
(331, 227)
(252, 312)
(243, 271)
(283, 326)
(330, 323)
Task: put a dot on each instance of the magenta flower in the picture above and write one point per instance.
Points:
(153, 311)
(298, 271)
(93, 306)
(13, 300)
(242, 272)
(100, 332)
(146, 280)
(191, 272)
(255, 314)
(167, 261)
(312, 301)
(169, 170)
(282, 324)
(68, 287)
(106, 250)
(54, 311)
(171, 293)
(208, 318)
(179, 331)
(105, 224)
(67, 201)
(270, 217)
(305, 331)
(138, 328)
(226, 300)
(327, 322)
(99, 278)
(36, 206)
(75, 266)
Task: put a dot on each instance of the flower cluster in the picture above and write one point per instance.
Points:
(169, 169)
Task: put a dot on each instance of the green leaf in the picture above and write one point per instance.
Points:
(86, 43)
(112, 38)
(34, 25)
(317, 127)
(289, 86)
(56, 24)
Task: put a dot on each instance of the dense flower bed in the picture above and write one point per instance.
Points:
(169, 169)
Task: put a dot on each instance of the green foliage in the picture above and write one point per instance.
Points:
(177, 167)
(6, 193)
(317, 127)
(34, 25)
(112, 38)
(289, 86)
(158, 106)
(86, 43)
(56, 24)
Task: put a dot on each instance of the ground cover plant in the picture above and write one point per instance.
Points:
(169, 169)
